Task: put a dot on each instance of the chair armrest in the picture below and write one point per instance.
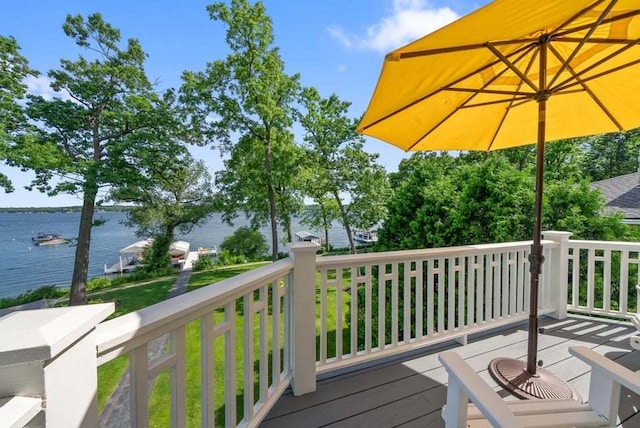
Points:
(478, 391)
(611, 369)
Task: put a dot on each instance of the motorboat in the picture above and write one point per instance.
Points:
(49, 239)
(365, 237)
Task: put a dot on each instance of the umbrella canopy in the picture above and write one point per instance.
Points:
(512, 73)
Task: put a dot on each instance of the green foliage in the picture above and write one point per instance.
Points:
(88, 142)
(98, 283)
(14, 68)
(46, 292)
(611, 155)
(246, 242)
(204, 263)
(345, 182)
(250, 98)
(478, 198)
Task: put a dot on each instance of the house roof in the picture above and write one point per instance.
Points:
(621, 194)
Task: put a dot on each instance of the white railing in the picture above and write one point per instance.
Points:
(602, 278)
(378, 304)
(224, 354)
(247, 314)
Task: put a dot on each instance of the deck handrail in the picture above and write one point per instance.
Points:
(120, 334)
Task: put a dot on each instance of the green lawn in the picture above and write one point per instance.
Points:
(159, 404)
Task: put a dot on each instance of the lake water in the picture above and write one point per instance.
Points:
(25, 266)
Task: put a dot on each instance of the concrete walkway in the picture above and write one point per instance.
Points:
(117, 413)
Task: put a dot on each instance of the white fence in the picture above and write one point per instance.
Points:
(224, 354)
(603, 277)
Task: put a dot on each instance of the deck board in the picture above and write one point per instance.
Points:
(410, 391)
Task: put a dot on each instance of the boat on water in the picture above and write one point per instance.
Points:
(365, 237)
(49, 239)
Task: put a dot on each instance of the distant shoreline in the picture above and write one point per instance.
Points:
(72, 209)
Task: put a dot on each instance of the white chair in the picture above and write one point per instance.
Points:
(488, 409)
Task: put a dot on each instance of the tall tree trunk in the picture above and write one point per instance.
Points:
(325, 223)
(345, 222)
(272, 203)
(78, 295)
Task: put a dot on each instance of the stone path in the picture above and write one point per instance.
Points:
(116, 413)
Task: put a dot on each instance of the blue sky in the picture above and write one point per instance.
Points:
(337, 46)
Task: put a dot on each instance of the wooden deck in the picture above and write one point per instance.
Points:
(410, 391)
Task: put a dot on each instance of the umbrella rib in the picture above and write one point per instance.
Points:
(489, 91)
(393, 56)
(595, 40)
(589, 91)
(522, 51)
(513, 101)
(513, 68)
(616, 18)
(576, 16)
(567, 83)
(503, 101)
(462, 78)
(596, 24)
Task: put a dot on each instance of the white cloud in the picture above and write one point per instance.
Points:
(41, 85)
(409, 20)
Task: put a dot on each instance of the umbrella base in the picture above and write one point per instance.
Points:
(513, 376)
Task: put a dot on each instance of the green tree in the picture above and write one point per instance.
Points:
(247, 95)
(173, 193)
(611, 155)
(14, 68)
(247, 242)
(111, 100)
(339, 165)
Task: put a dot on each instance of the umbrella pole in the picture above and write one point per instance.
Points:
(522, 379)
(536, 259)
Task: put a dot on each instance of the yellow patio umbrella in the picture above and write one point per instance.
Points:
(514, 72)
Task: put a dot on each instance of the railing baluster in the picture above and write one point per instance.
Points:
(248, 347)
(354, 311)
(324, 333)
(178, 379)
(367, 308)
(339, 314)
(451, 296)
(481, 290)
(382, 301)
(430, 298)
(406, 302)
(624, 282)
(439, 274)
(394, 305)
(504, 283)
(520, 280)
(230, 365)
(139, 386)
(606, 292)
(419, 299)
(275, 332)
(591, 267)
(471, 291)
(207, 376)
(459, 277)
(264, 346)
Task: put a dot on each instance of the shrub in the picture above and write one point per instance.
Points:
(246, 242)
(203, 263)
(98, 283)
(225, 258)
(46, 292)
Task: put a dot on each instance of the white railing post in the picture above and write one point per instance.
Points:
(558, 265)
(51, 354)
(303, 319)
